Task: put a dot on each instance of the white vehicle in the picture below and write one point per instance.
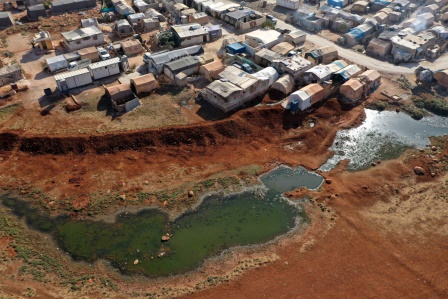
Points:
(103, 53)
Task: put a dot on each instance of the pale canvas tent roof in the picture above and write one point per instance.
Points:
(211, 70)
(132, 47)
(145, 83)
(285, 84)
(372, 75)
(312, 89)
(442, 77)
(118, 92)
(283, 48)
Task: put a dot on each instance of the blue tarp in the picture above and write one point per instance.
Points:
(236, 48)
(357, 33)
(383, 2)
(336, 3)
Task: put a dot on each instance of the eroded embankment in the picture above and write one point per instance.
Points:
(259, 122)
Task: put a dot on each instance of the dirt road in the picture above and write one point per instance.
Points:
(370, 62)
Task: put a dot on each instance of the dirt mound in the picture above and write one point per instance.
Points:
(240, 126)
(8, 141)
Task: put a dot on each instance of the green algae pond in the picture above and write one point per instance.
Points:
(255, 216)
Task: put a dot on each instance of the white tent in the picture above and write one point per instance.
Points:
(302, 98)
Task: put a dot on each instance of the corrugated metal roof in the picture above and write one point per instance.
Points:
(81, 33)
(54, 59)
(268, 54)
(238, 77)
(104, 63)
(183, 63)
(71, 74)
(224, 89)
(168, 56)
(240, 13)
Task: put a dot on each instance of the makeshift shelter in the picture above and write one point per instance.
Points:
(200, 18)
(433, 8)
(360, 7)
(188, 65)
(6, 19)
(122, 98)
(105, 68)
(346, 73)
(10, 74)
(379, 47)
(442, 78)
(296, 37)
(74, 79)
(63, 6)
(307, 96)
(136, 18)
(142, 84)
(131, 47)
(56, 63)
(123, 28)
(371, 79)
(43, 40)
(83, 38)
(119, 92)
(284, 84)
(283, 48)
(266, 57)
(156, 61)
(89, 22)
(341, 25)
(351, 91)
(36, 11)
(291, 4)
(211, 70)
(236, 48)
(337, 3)
(381, 17)
(141, 5)
(150, 24)
(322, 55)
(90, 53)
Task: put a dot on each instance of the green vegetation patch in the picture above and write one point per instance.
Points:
(7, 112)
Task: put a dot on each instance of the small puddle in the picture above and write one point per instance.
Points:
(221, 221)
(383, 136)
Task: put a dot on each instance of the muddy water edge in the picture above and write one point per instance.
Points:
(133, 243)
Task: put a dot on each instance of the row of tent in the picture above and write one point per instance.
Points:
(58, 7)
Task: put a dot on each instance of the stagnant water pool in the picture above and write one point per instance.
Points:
(221, 221)
(383, 136)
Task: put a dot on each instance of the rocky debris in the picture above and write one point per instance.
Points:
(166, 237)
(378, 162)
(433, 174)
(122, 196)
(433, 148)
(373, 163)
(419, 170)
(190, 193)
(136, 262)
(328, 181)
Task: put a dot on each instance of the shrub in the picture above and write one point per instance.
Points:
(268, 24)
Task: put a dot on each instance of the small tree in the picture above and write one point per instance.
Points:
(268, 24)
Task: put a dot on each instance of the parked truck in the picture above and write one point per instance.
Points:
(77, 65)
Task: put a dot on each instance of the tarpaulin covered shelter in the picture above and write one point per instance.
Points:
(131, 47)
(211, 70)
(145, 83)
(285, 84)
